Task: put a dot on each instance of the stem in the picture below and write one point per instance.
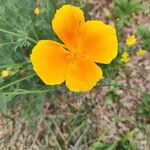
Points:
(4, 21)
(34, 32)
(80, 138)
(16, 34)
(76, 129)
(14, 65)
(6, 43)
(15, 82)
(123, 86)
(27, 92)
(32, 40)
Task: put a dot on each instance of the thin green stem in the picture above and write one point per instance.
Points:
(122, 86)
(77, 129)
(34, 32)
(32, 40)
(4, 20)
(16, 34)
(81, 138)
(6, 43)
(9, 32)
(15, 82)
(27, 92)
(14, 65)
(55, 138)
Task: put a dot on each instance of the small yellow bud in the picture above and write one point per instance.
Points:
(5, 73)
(37, 11)
(141, 53)
(131, 40)
(125, 57)
(38, 3)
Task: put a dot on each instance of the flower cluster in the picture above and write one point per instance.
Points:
(37, 10)
(131, 41)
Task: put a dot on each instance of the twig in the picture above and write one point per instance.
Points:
(122, 86)
(75, 130)
(55, 138)
(59, 132)
(80, 139)
(38, 132)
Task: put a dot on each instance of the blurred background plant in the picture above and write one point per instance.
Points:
(69, 120)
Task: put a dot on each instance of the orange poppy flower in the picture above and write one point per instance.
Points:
(85, 44)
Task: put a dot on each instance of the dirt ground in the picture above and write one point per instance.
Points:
(113, 120)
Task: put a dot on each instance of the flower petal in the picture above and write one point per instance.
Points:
(50, 61)
(99, 42)
(82, 75)
(68, 24)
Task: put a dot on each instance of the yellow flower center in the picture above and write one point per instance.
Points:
(75, 56)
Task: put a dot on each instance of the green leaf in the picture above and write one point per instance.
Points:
(110, 98)
(146, 98)
(144, 34)
(143, 109)
(100, 146)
